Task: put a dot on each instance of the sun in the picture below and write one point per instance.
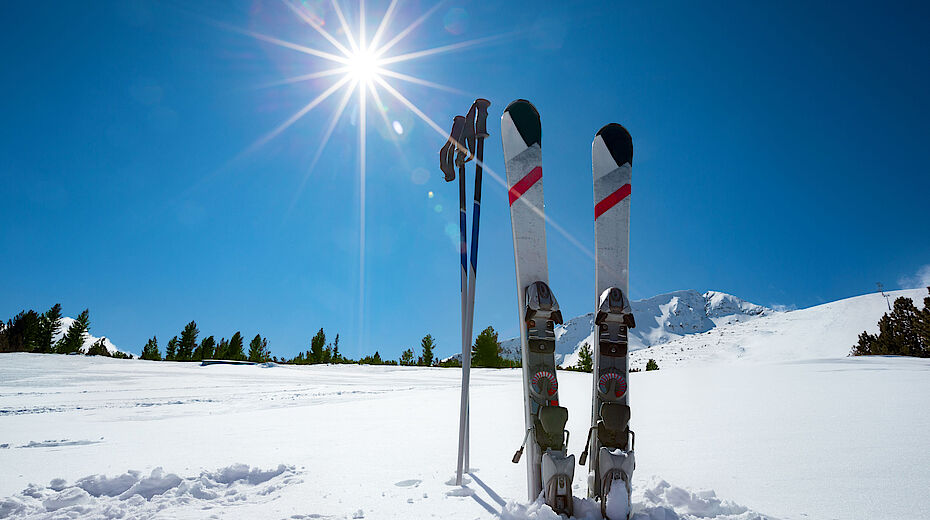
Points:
(363, 66)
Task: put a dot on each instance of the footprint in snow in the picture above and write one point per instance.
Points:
(408, 483)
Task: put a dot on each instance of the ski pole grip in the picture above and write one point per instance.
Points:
(481, 122)
(517, 455)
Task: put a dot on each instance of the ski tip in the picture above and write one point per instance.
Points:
(618, 142)
(526, 119)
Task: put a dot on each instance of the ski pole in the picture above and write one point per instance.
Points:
(479, 131)
(455, 139)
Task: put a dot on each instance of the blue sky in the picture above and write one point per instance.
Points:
(780, 155)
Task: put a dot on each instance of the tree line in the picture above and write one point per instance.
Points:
(905, 331)
(30, 331)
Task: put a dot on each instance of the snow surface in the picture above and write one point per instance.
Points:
(782, 427)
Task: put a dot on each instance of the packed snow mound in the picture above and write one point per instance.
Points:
(660, 319)
(823, 332)
(659, 500)
(136, 495)
(88, 339)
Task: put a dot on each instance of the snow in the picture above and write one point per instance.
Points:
(784, 426)
(825, 331)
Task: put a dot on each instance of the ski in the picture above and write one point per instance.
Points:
(549, 468)
(610, 441)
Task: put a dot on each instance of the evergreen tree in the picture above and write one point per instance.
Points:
(50, 323)
(336, 357)
(371, 360)
(585, 359)
(407, 359)
(221, 348)
(258, 349)
(651, 365)
(316, 347)
(205, 349)
(426, 351)
(98, 349)
(901, 332)
(171, 349)
(150, 350)
(73, 339)
(328, 354)
(234, 350)
(486, 350)
(188, 342)
(23, 332)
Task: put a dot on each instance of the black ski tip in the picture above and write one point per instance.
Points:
(526, 119)
(619, 143)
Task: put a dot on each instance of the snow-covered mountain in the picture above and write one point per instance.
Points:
(825, 331)
(89, 340)
(660, 319)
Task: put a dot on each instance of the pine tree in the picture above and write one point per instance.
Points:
(73, 339)
(234, 350)
(205, 349)
(328, 354)
(406, 358)
(336, 357)
(585, 359)
(50, 326)
(257, 352)
(486, 350)
(316, 347)
(150, 350)
(426, 351)
(23, 332)
(651, 365)
(171, 349)
(98, 348)
(901, 332)
(188, 342)
(221, 348)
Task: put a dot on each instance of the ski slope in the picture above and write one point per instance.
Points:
(105, 438)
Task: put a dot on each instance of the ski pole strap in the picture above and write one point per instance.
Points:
(458, 132)
(447, 153)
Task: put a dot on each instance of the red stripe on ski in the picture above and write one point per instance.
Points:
(527, 182)
(610, 200)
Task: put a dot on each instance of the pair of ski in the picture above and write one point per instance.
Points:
(550, 469)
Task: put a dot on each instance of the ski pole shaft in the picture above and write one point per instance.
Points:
(458, 128)
(480, 131)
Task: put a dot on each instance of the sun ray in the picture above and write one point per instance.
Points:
(297, 115)
(400, 36)
(281, 43)
(385, 19)
(361, 221)
(494, 175)
(319, 28)
(361, 25)
(345, 26)
(304, 77)
(333, 121)
(418, 81)
(440, 50)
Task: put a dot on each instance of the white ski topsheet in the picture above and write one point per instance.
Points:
(525, 187)
(612, 226)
